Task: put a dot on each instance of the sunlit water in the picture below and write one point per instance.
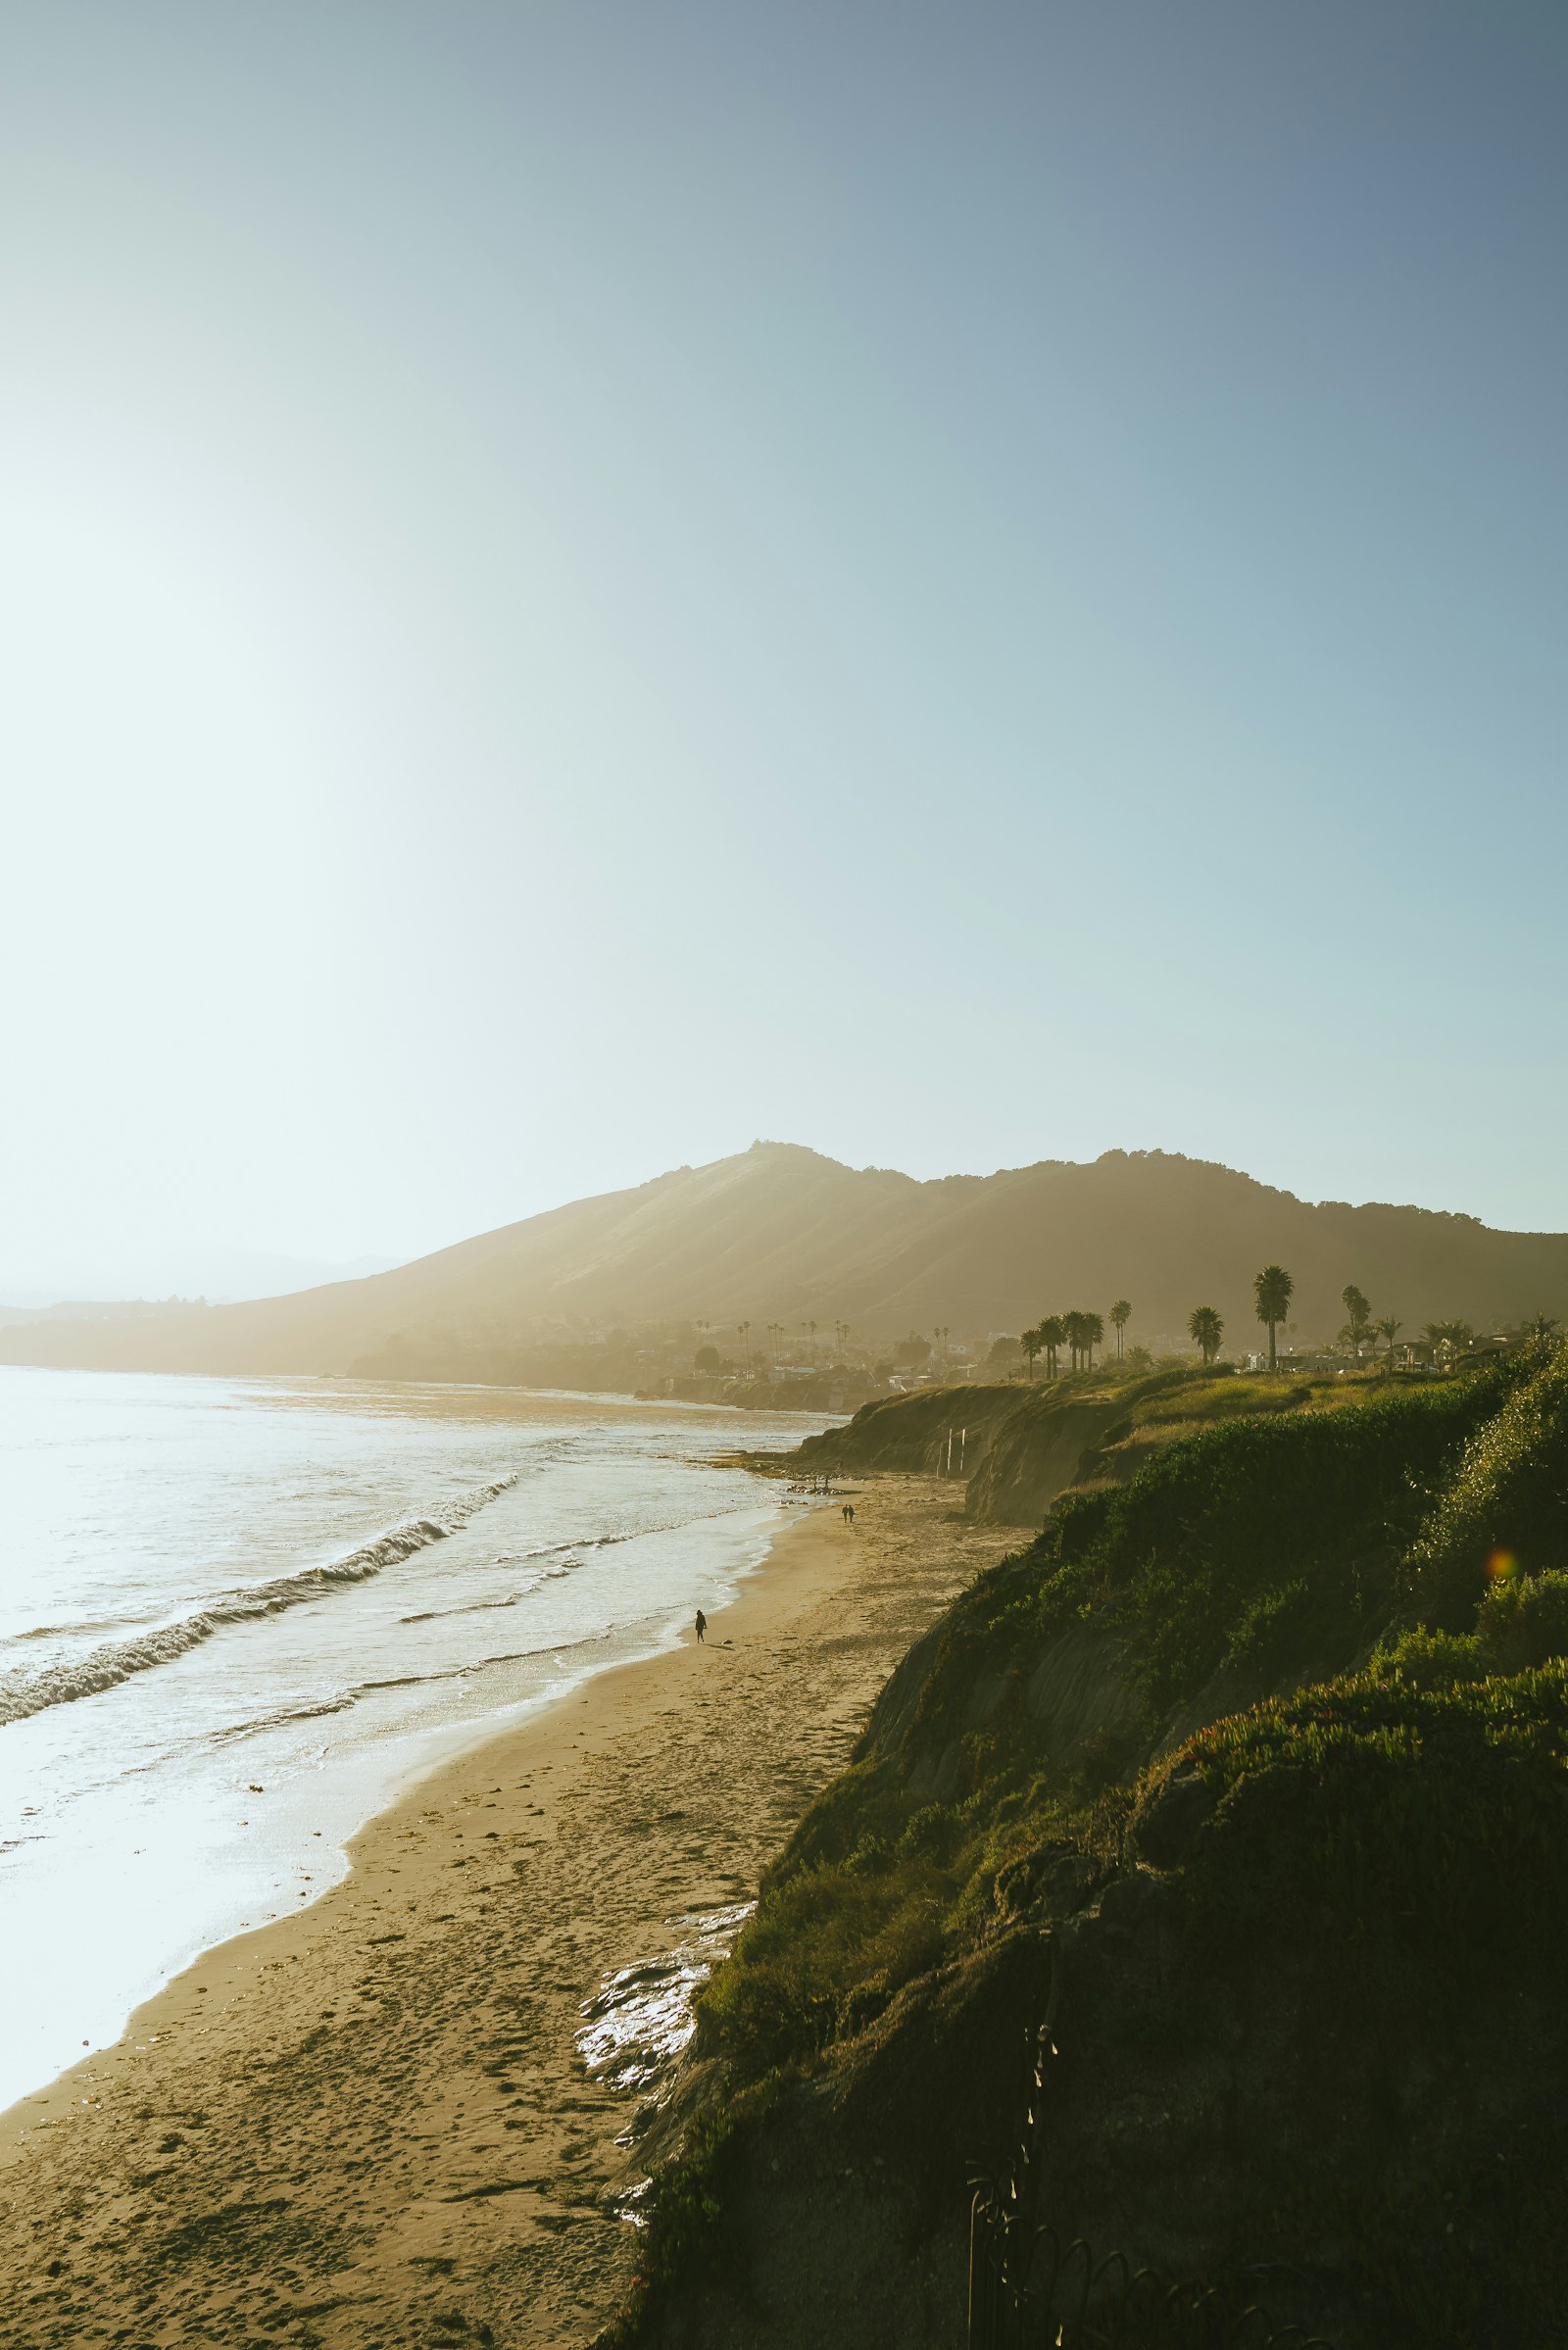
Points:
(235, 1615)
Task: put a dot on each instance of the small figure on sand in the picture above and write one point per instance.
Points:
(849, 1513)
(702, 1623)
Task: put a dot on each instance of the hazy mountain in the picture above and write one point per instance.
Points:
(219, 1273)
(780, 1233)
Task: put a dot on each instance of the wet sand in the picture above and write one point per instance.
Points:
(368, 2124)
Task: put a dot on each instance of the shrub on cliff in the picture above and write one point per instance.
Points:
(1505, 1508)
(1392, 1809)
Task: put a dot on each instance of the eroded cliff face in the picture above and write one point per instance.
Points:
(1012, 1449)
(1036, 1452)
(1290, 2061)
(1296, 1898)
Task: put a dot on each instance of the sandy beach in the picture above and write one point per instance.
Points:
(369, 2123)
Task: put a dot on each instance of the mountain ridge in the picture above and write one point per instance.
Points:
(781, 1232)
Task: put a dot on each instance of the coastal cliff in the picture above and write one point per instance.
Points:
(1250, 1767)
(1015, 1450)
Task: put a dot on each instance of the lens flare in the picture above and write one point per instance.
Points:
(1501, 1567)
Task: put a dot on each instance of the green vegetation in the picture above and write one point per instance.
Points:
(1254, 1546)
(1307, 1668)
(1275, 1544)
(1503, 1508)
(1409, 1812)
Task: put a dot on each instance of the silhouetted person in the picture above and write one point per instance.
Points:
(702, 1623)
(849, 1513)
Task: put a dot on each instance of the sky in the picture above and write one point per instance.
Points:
(583, 583)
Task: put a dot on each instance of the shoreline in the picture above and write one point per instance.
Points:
(137, 1806)
(374, 2111)
(242, 1954)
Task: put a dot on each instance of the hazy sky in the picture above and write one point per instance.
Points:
(958, 583)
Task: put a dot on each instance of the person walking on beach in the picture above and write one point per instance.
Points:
(702, 1623)
(849, 1513)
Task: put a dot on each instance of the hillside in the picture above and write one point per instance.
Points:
(781, 1233)
(1243, 1787)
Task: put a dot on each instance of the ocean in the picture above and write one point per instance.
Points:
(238, 1615)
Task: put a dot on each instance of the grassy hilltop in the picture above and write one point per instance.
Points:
(1261, 1751)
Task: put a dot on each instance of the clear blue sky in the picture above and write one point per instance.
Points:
(963, 584)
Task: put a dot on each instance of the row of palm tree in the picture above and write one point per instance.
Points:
(776, 1332)
(1272, 1291)
(1444, 1340)
(1079, 1330)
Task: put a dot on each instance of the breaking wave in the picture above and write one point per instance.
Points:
(23, 1694)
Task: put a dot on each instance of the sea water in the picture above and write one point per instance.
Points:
(236, 1615)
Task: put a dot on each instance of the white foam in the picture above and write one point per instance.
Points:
(23, 1694)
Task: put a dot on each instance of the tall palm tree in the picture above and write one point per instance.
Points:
(1073, 1329)
(740, 1330)
(1094, 1335)
(1207, 1328)
(1053, 1336)
(1389, 1329)
(1122, 1315)
(1272, 1292)
(1033, 1342)
(1357, 1314)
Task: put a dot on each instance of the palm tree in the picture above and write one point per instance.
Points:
(812, 1329)
(1389, 1329)
(740, 1329)
(1075, 1331)
(1206, 1327)
(1272, 1291)
(1122, 1315)
(1447, 1338)
(1094, 1335)
(1033, 1342)
(1052, 1334)
(1357, 1314)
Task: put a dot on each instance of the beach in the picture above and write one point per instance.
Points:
(371, 2122)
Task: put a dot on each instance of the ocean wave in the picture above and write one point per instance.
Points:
(277, 1721)
(566, 1562)
(63, 1631)
(24, 1695)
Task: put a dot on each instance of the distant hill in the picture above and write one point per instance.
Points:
(780, 1233)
